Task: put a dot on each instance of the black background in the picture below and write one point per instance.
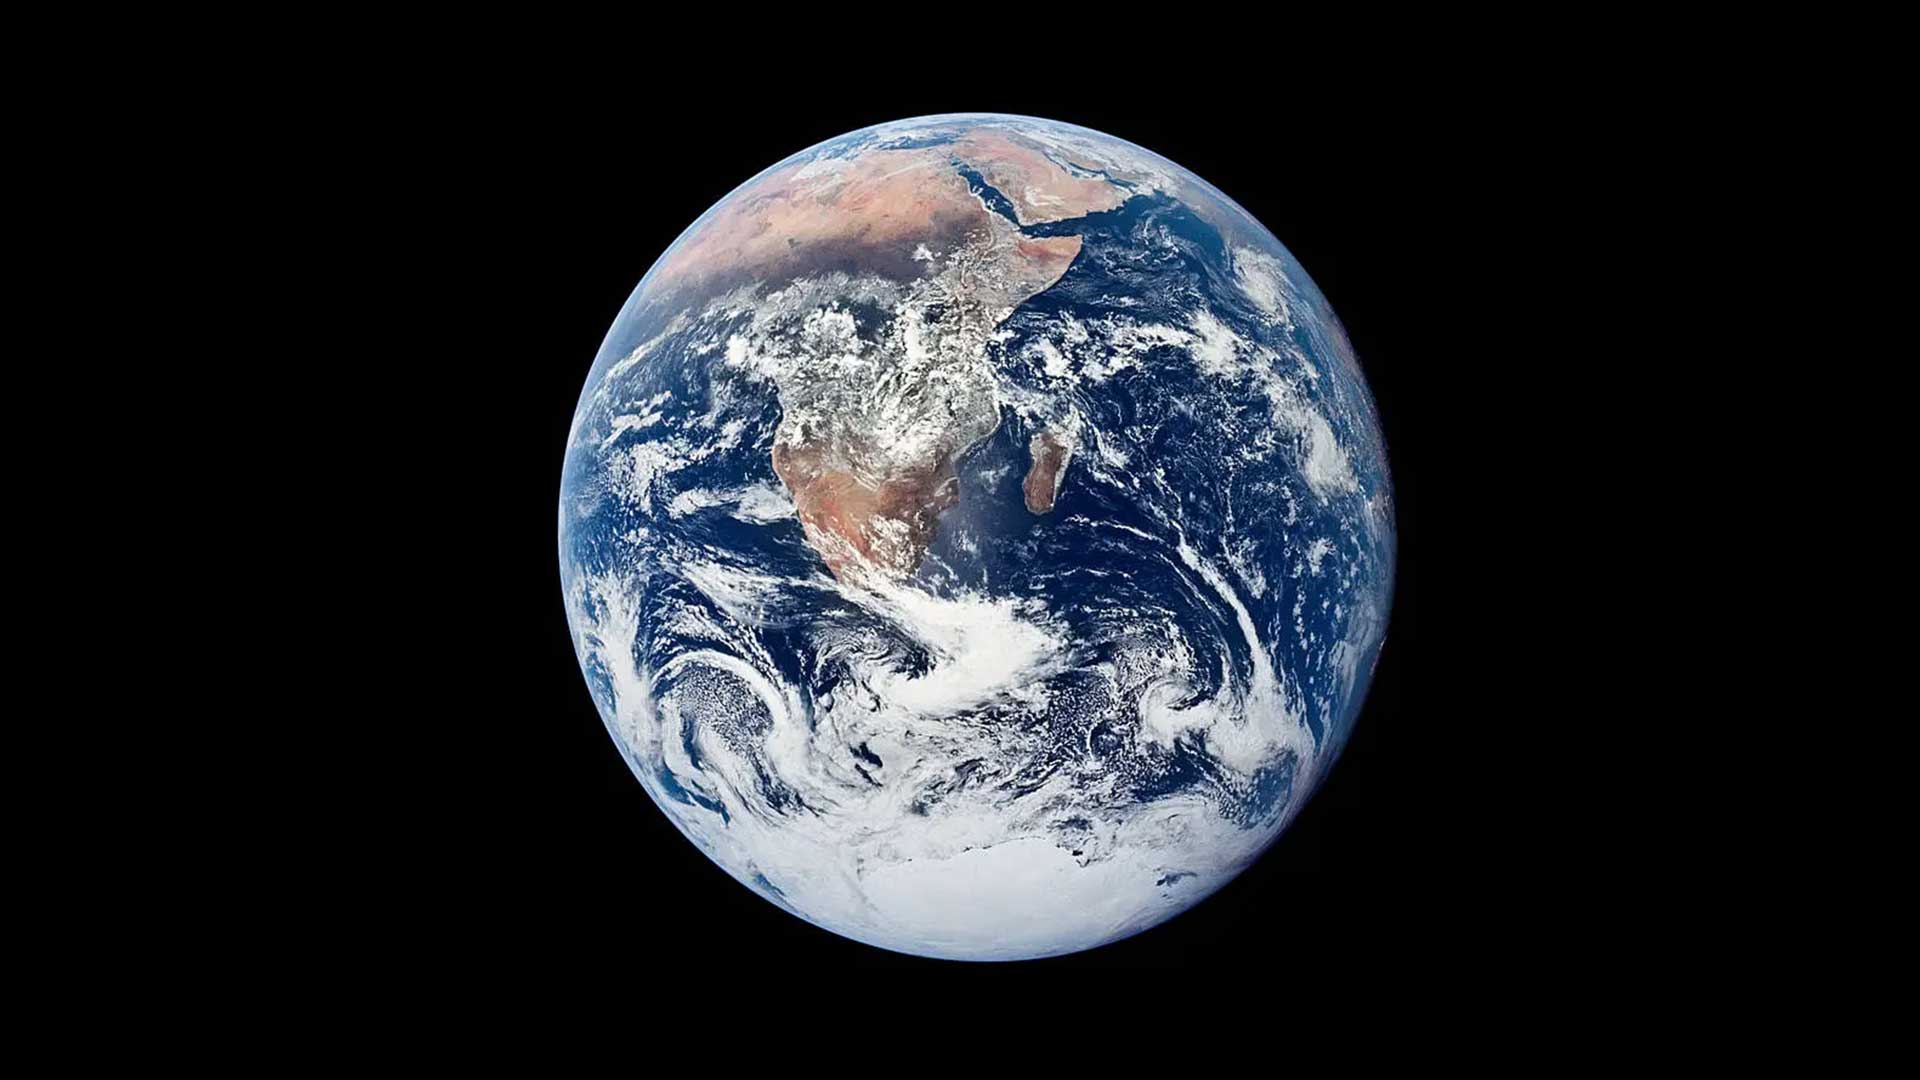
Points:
(543, 212)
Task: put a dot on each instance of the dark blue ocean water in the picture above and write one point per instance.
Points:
(1104, 562)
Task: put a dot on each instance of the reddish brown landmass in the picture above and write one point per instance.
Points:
(851, 522)
(907, 214)
(874, 210)
(880, 204)
(1039, 190)
(1029, 266)
(1044, 475)
(886, 524)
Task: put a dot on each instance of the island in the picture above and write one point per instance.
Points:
(1049, 468)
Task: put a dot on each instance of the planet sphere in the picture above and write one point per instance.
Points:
(977, 536)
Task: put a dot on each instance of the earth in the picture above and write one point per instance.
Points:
(977, 536)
